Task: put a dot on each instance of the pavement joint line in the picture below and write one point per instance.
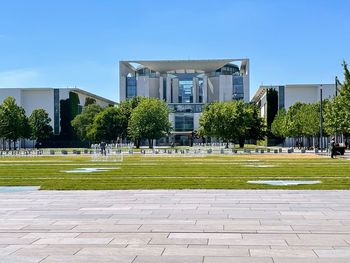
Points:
(41, 260)
(77, 251)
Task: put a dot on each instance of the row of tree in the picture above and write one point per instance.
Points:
(303, 119)
(148, 118)
(233, 121)
(137, 118)
(15, 125)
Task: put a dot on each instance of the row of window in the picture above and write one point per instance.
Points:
(188, 108)
(186, 89)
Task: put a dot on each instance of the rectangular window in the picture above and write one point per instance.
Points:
(164, 89)
(184, 122)
(56, 118)
(131, 87)
(280, 97)
(200, 90)
(237, 88)
(186, 91)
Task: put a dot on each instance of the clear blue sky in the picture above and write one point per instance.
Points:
(79, 42)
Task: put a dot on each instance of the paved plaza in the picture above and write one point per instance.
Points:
(210, 226)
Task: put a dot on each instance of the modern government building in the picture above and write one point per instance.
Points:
(186, 85)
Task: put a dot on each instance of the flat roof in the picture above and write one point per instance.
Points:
(262, 89)
(67, 88)
(206, 65)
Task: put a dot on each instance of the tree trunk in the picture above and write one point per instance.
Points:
(137, 142)
(150, 143)
(241, 143)
(226, 145)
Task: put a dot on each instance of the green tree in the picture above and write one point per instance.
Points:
(107, 125)
(231, 121)
(83, 122)
(278, 124)
(126, 107)
(337, 114)
(149, 120)
(39, 122)
(13, 122)
(333, 117)
(293, 121)
(254, 125)
(310, 119)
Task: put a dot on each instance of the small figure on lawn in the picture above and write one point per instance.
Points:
(332, 147)
(103, 148)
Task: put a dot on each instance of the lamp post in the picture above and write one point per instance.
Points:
(321, 120)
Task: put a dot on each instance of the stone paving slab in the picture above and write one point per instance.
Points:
(204, 226)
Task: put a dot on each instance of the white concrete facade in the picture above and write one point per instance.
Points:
(291, 93)
(186, 85)
(49, 100)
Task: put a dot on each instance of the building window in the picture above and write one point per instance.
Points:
(56, 118)
(164, 89)
(184, 122)
(280, 97)
(186, 108)
(186, 91)
(131, 87)
(200, 90)
(237, 88)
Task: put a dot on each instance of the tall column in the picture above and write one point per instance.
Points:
(195, 90)
(205, 89)
(122, 88)
(168, 90)
(161, 88)
(175, 90)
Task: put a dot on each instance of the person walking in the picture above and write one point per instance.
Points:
(332, 147)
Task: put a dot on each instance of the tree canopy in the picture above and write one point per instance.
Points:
(337, 114)
(277, 126)
(83, 122)
(39, 122)
(149, 120)
(231, 121)
(13, 121)
(108, 125)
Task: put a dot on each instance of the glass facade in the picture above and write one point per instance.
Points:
(228, 69)
(186, 91)
(190, 108)
(183, 122)
(131, 87)
(280, 97)
(237, 88)
(200, 90)
(164, 88)
(56, 118)
(147, 72)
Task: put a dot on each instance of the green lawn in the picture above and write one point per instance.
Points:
(165, 172)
